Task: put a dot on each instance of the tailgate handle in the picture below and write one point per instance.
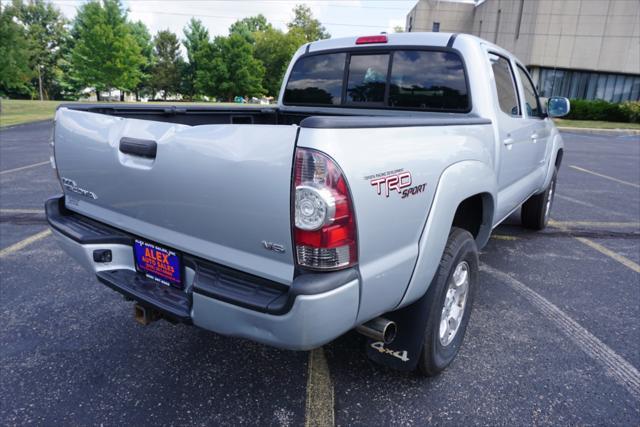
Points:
(139, 147)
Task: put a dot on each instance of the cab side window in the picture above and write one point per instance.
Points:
(505, 85)
(530, 95)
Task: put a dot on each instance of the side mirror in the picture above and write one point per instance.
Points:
(558, 106)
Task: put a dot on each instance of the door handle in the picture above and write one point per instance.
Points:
(534, 137)
(139, 147)
(508, 141)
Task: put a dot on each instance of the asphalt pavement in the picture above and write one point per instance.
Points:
(554, 338)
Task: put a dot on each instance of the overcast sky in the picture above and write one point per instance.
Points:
(340, 17)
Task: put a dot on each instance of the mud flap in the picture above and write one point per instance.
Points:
(404, 352)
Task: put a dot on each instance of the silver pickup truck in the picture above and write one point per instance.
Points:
(359, 202)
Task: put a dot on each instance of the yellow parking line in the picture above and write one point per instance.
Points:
(24, 243)
(621, 259)
(598, 247)
(21, 211)
(319, 405)
(24, 167)
(503, 237)
(632, 184)
(594, 224)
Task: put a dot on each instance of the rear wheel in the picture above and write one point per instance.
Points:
(450, 299)
(536, 211)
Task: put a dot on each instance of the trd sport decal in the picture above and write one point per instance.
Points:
(398, 180)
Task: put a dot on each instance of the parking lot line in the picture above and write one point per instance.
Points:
(592, 206)
(319, 404)
(24, 167)
(615, 365)
(632, 184)
(24, 243)
(611, 254)
(594, 224)
(21, 211)
(598, 247)
(503, 237)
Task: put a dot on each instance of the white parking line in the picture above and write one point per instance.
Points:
(632, 184)
(615, 365)
(24, 243)
(319, 404)
(591, 205)
(24, 167)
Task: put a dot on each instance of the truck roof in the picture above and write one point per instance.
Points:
(399, 39)
(394, 39)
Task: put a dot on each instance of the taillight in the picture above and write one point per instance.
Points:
(324, 224)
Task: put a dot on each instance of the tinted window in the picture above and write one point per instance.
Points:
(531, 98)
(428, 80)
(505, 85)
(419, 80)
(316, 80)
(367, 78)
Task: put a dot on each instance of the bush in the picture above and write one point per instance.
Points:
(582, 109)
(631, 109)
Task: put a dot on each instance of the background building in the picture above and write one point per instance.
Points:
(586, 49)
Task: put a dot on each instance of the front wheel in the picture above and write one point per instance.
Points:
(450, 298)
(536, 211)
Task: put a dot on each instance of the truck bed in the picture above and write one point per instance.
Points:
(195, 115)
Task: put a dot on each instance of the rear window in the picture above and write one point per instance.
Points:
(367, 78)
(316, 80)
(429, 80)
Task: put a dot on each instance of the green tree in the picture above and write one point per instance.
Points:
(15, 72)
(248, 27)
(274, 49)
(311, 28)
(196, 37)
(46, 34)
(228, 68)
(105, 55)
(168, 65)
(140, 33)
(398, 29)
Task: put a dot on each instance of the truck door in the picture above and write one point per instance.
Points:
(536, 124)
(517, 153)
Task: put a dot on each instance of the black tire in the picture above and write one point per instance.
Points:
(535, 214)
(436, 356)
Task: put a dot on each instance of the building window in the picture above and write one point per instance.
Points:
(436, 27)
(612, 87)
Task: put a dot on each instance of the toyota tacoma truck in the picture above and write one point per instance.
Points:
(360, 201)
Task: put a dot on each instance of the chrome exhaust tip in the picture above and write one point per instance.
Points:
(379, 329)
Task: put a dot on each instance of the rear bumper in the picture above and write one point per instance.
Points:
(314, 310)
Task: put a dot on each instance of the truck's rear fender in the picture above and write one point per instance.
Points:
(389, 228)
(457, 183)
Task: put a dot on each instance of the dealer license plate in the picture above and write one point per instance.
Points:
(158, 263)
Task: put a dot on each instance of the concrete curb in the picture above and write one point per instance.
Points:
(610, 132)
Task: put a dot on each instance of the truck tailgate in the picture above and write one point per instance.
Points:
(220, 192)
